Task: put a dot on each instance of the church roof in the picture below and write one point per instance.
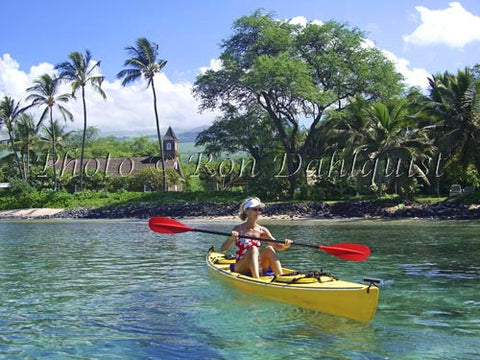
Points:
(170, 135)
(114, 166)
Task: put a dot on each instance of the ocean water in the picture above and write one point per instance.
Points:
(110, 289)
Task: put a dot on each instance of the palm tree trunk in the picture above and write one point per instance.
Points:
(84, 136)
(15, 152)
(380, 180)
(292, 176)
(159, 135)
(27, 158)
(23, 154)
(54, 152)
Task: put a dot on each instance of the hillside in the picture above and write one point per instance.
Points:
(189, 136)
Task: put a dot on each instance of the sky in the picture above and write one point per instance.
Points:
(422, 38)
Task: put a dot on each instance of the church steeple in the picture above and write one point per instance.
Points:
(170, 144)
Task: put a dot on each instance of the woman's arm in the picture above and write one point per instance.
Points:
(276, 246)
(230, 240)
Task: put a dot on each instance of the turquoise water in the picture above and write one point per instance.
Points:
(116, 290)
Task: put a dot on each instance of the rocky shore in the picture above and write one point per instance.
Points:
(447, 210)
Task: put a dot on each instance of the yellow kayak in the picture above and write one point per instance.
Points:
(316, 291)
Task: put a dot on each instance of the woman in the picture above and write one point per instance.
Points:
(249, 258)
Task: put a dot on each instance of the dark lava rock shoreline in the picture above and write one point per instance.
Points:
(447, 210)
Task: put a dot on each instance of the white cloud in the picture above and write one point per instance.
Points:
(454, 27)
(413, 76)
(12, 78)
(368, 44)
(302, 21)
(126, 109)
(215, 65)
(40, 69)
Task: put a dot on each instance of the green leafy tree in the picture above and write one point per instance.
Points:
(140, 146)
(75, 138)
(153, 178)
(236, 132)
(294, 74)
(144, 62)
(81, 71)
(45, 93)
(243, 136)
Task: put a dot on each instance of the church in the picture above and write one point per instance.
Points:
(127, 166)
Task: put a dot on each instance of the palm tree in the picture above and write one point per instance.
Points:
(345, 131)
(81, 71)
(26, 131)
(10, 112)
(380, 131)
(143, 62)
(454, 102)
(348, 127)
(393, 133)
(55, 134)
(44, 93)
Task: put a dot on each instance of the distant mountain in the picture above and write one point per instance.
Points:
(188, 136)
(184, 136)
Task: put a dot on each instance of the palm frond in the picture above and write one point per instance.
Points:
(142, 62)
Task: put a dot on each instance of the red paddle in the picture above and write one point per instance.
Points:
(353, 252)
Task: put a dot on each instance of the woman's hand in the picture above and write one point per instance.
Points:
(287, 243)
(226, 245)
(282, 247)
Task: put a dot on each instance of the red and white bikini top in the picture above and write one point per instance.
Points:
(244, 244)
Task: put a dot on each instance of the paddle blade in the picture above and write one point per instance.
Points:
(352, 252)
(168, 226)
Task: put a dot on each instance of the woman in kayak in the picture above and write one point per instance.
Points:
(249, 257)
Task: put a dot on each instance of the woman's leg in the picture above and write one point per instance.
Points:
(269, 258)
(249, 262)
